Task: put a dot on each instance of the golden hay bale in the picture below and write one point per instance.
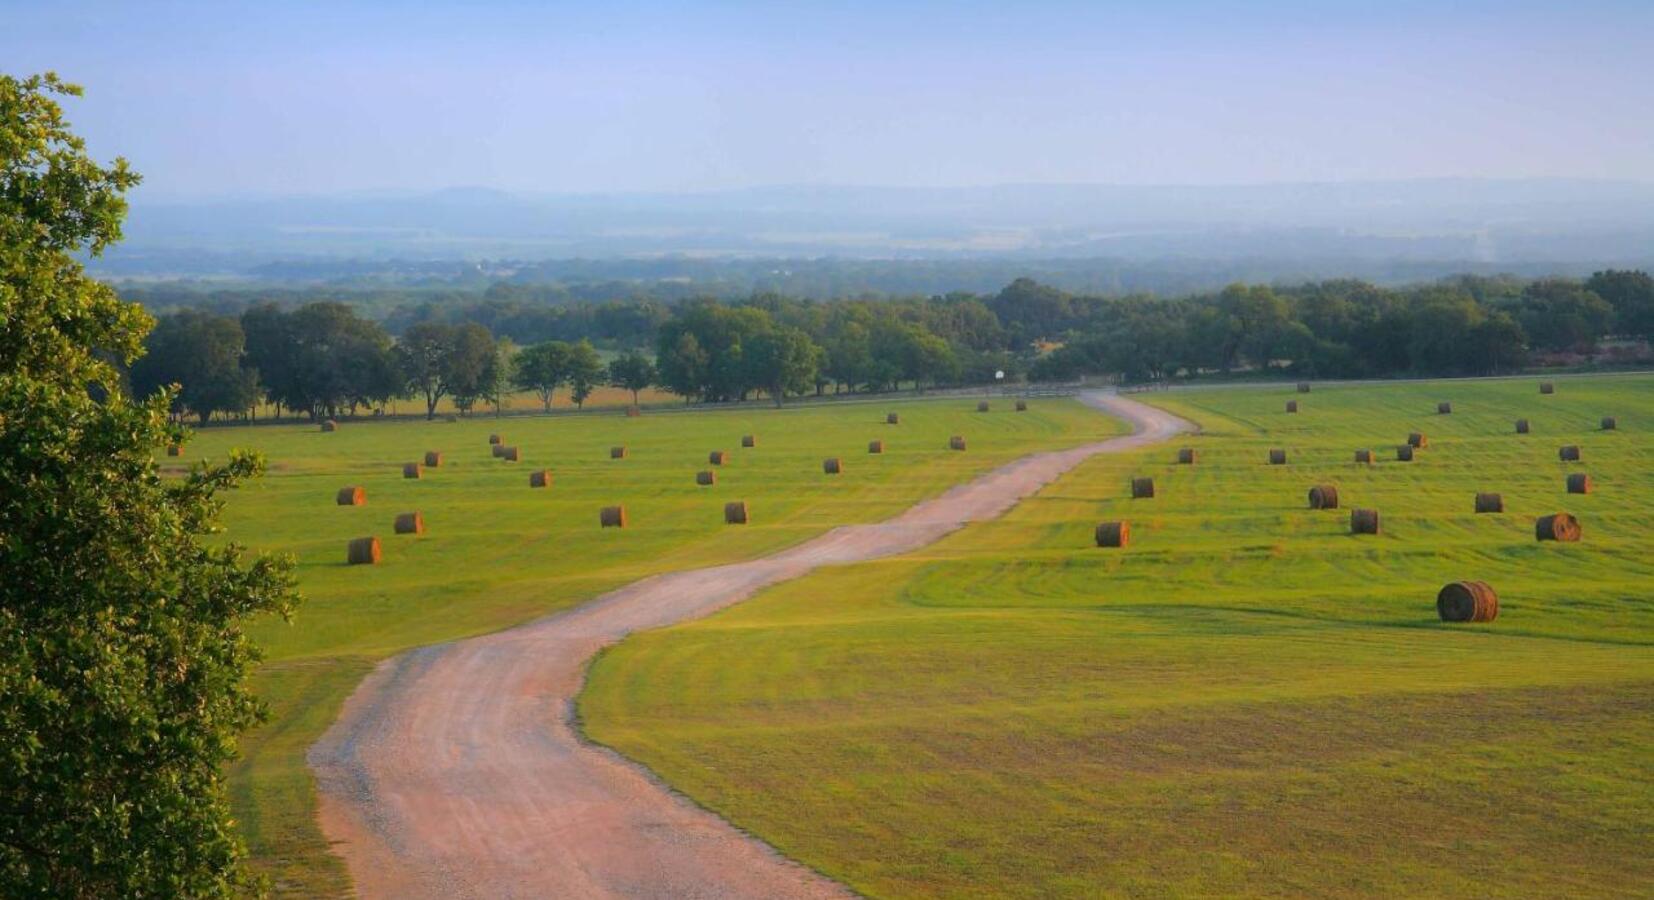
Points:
(956, 443)
(363, 552)
(1579, 483)
(1186, 456)
(749, 440)
(1323, 496)
(413, 470)
(982, 406)
(410, 523)
(1467, 601)
(1521, 426)
(352, 496)
(717, 457)
(1364, 456)
(892, 419)
(1443, 409)
(1609, 423)
(1490, 503)
(1142, 488)
(1556, 527)
(174, 450)
(1418, 440)
(633, 412)
(875, 446)
(706, 477)
(617, 452)
(1570, 453)
(433, 459)
(512, 454)
(1022, 406)
(612, 517)
(1404, 453)
(832, 465)
(1303, 387)
(1363, 521)
(497, 450)
(1277, 457)
(1292, 406)
(1113, 534)
(328, 425)
(735, 512)
(495, 439)
(540, 478)
(1546, 387)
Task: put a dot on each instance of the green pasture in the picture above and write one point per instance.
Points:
(1247, 700)
(497, 552)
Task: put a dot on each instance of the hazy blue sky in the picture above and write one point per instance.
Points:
(297, 97)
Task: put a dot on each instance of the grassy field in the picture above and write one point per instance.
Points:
(1248, 700)
(497, 552)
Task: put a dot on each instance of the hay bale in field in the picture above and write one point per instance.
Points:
(956, 443)
(892, 419)
(328, 426)
(1022, 406)
(413, 470)
(1546, 387)
(1142, 488)
(363, 552)
(1404, 453)
(174, 450)
(1323, 496)
(717, 457)
(1609, 423)
(1303, 387)
(433, 459)
(497, 450)
(1186, 456)
(612, 517)
(540, 478)
(749, 440)
(735, 512)
(410, 523)
(512, 454)
(633, 412)
(617, 452)
(1365, 457)
(1579, 483)
(832, 465)
(1113, 534)
(1418, 440)
(495, 439)
(1363, 521)
(1277, 457)
(1556, 527)
(706, 478)
(1467, 601)
(875, 446)
(1490, 503)
(1569, 453)
(1521, 426)
(1443, 409)
(1292, 406)
(982, 406)
(352, 496)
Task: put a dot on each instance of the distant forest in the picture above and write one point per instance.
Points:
(318, 351)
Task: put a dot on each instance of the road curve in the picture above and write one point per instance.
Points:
(456, 770)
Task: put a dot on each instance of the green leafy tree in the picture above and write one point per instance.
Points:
(782, 361)
(122, 656)
(542, 368)
(1631, 294)
(468, 364)
(633, 372)
(202, 354)
(586, 372)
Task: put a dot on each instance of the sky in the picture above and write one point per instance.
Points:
(255, 99)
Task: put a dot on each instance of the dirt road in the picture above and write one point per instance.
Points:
(455, 770)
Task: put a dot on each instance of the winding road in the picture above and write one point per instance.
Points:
(456, 770)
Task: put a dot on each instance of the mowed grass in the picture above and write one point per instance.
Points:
(497, 553)
(1248, 700)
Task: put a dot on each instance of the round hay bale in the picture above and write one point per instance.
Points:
(612, 517)
(1418, 440)
(1292, 406)
(1022, 406)
(352, 496)
(495, 439)
(633, 412)
(1443, 409)
(749, 440)
(1579, 483)
(1404, 453)
(1570, 453)
(1363, 521)
(892, 419)
(1521, 426)
(328, 426)
(1364, 457)
(1609, 423)
(540, 478)
(1277, 457)
(832, 465)
(1490, 503)
(617, 452)
(1323, 496)
(174, 450)
(1467, 601)
(1303, 387)
(512, 454)
(706, 478)
(433, 459)
(717, 457)
(497, 450)
(956, 443)
(410, 523)
(735, 512)
(875, 446)
(363, 552)
(1113, 534)
(1142, 488)
(1546, 387)
(413, 470)
(1186, 456)
(1556, 527)
(982, 406)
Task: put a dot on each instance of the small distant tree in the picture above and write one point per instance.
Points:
(632, 371)
(420, 354)
(586, 372)
(542, 368)
(782, 361)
